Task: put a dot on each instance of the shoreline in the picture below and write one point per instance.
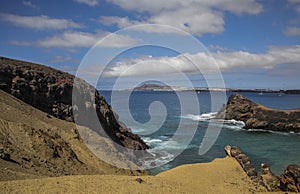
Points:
(222, 175)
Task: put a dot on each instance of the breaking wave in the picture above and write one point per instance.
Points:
(211, 118)
(159, 155)
(202, 117)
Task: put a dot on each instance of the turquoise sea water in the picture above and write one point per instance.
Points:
(276, 149)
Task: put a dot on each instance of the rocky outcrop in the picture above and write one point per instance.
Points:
(50, 91)
(245, 163)
(270, 180)
(290, 179)
(256, 116)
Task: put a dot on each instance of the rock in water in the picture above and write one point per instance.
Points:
(290, 179)
(270, 180)
(256, 116)
(50, 91)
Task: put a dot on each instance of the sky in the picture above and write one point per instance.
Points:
(120, 44)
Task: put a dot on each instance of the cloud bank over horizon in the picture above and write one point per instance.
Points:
(224, 61)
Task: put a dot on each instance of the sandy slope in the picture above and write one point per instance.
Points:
(43, 146)
(220, 176)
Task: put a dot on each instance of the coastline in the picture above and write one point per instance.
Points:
(222, 175)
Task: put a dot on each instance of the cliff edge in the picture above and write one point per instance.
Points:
(50, 91)
(34, 145)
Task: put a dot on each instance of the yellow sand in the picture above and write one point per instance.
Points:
(220, 176)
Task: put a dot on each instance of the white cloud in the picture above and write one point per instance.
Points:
(203, 61)
(88, 2)
(194, 16)
(71, 39)
(123, 22)
(158, 6)
(196, 25)
(292, 31)
(39, 22)
(29, 4)
(192, 20)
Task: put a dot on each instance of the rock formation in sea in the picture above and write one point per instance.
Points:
(288, 181)
(257, 116)
(50, 91)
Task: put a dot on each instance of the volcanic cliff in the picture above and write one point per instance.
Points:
(257, 116)
(50, 91)
(34, 145)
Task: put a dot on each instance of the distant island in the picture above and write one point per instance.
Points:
(161, 87)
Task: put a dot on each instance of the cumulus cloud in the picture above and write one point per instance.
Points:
(157, 6)
(39, 22)
(123, 22)
(197, 17)
(91, 3)
(226, 61)
(72, 39)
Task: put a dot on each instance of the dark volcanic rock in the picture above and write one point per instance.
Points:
(270, 180)
(51, 90)
(257, 116)
(245, 163)
(290, 179)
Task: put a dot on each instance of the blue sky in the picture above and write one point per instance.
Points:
(254, 43)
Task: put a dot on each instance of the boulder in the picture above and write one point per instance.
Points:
(270, 180)
(290, 179)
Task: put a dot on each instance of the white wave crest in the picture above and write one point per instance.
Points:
(202, 117)
(152, 142)
(211, 118)
(159, 157)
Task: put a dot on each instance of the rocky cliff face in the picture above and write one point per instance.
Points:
(34, 145)
(257, 116)
(50, 91)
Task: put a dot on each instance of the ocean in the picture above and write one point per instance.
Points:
(277, 149)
